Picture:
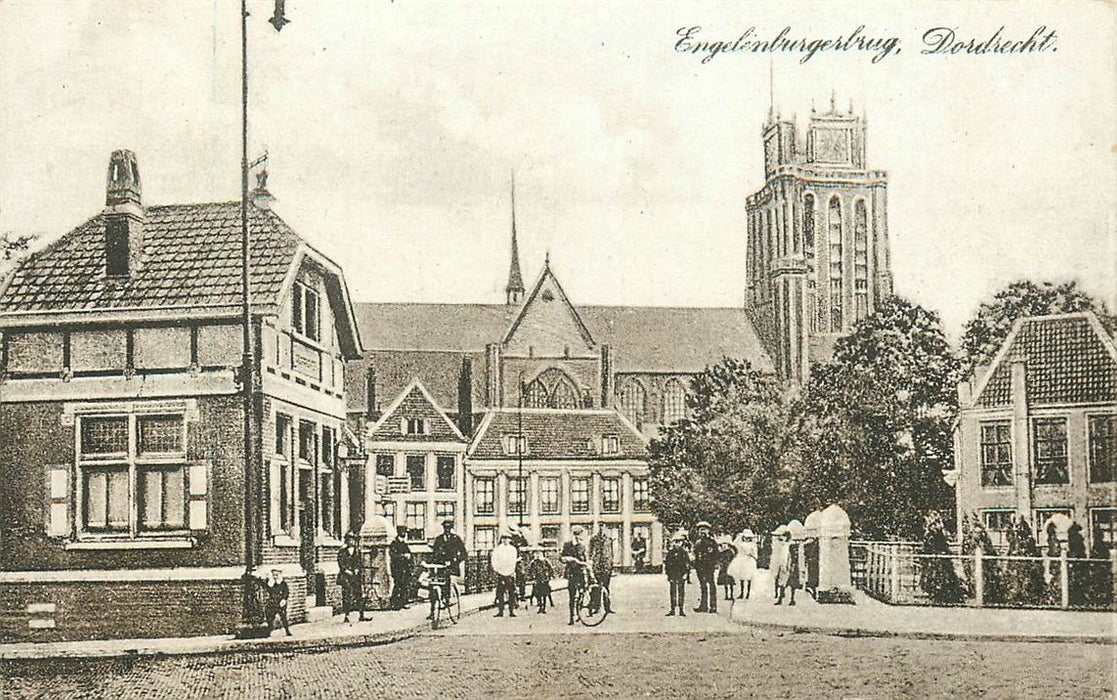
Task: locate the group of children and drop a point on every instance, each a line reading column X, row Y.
column 514, row 571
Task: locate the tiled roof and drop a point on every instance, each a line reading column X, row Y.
column 555, row 434
column 1068, row 359
column 644, row 338
column 415, row 404
column 438, row 371
column 190, row 258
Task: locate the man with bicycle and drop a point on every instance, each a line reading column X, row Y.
column 574, row 556
column 447, row 550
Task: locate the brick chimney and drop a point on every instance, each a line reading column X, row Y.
column 123, row 216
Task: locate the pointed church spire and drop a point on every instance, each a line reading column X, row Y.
column 514, row 292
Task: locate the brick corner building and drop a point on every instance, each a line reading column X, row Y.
column 122, row 448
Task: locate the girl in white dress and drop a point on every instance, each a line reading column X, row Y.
column 743, row 566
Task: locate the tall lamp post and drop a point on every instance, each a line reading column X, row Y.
column 520, row 455
column 253, row 623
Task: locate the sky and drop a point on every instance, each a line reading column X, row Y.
column 392, row 130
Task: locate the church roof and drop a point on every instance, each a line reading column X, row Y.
column 679, row 340
column 1068, row 359
column 558, row 434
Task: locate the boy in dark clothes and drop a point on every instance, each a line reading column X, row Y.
column 677, row 567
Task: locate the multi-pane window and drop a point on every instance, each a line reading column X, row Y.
column 1049, row 447
column 445, row 472
column 580, row 495
column 444, row 510
column 417, row 472
column 997, row 524
column 1103, row 524
column 549, row 499
column 415, row 520
column 1103, row 448
column 415, row 426
column 307, row 437
column 326, row 502
column 388, row 510
column 328, row 447
column 304, row 311
column 484, row 538
column 996, row 455
column 611, row 495
column 549, row 535
column 674, row 402
column 282, row 434
column 385, row 465
column 515, row 444
column 517, row 495
column 640, row 501
column 133, row 473
column 610, row 445
column 484, row 495
column 634, row 401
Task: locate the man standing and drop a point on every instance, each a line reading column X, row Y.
column 601, row 556
column 574, row 556
column 399, row 562
column 676, row 564
column 278, row 593
column 639, row 553
column 448, row 550
column 349, row 577
column 706, row 564
column 503, row 559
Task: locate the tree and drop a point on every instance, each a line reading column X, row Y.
column 986, row 331
column 733, row 461
column 878, row 422
column 12, row 245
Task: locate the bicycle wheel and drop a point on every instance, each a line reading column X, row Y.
column 436, row 597
column 593, row 605
column 454, row 604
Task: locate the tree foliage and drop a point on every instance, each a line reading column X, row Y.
column 12, row 245
column 733, row 461
column 878, row 422
column 986, row 331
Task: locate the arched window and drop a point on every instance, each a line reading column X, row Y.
column 634, row 401
column 674, row 401
column 860, row 259
column 834, row 239
column 553, row 388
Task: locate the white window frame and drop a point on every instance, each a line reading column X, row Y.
column 194, row 475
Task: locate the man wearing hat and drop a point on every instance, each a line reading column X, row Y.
column 676, row 564
column 574, row 556
column 349, row 577
column 448, row 550
column 503, row 560
column 706, row 564
column 399, row 560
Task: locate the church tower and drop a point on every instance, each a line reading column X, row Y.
column 818, row 256
column 514, row 291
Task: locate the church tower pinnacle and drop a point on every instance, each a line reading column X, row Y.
column 514, row 292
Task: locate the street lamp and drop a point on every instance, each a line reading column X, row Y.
column 520, row 443
column 253, row 622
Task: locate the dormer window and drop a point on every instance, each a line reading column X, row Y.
column 304, row 311
column 415, row 426
column 515, row 444
column 610, row 445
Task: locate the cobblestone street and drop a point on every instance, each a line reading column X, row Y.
column 634, row 653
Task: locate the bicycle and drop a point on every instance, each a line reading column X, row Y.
column 592, row 601
column 445, row 597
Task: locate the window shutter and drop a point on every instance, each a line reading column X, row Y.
column 199, row 492
column 275, row 499
column 58, row 500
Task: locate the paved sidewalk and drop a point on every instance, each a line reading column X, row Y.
column 870, row 617
column 384, row 627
